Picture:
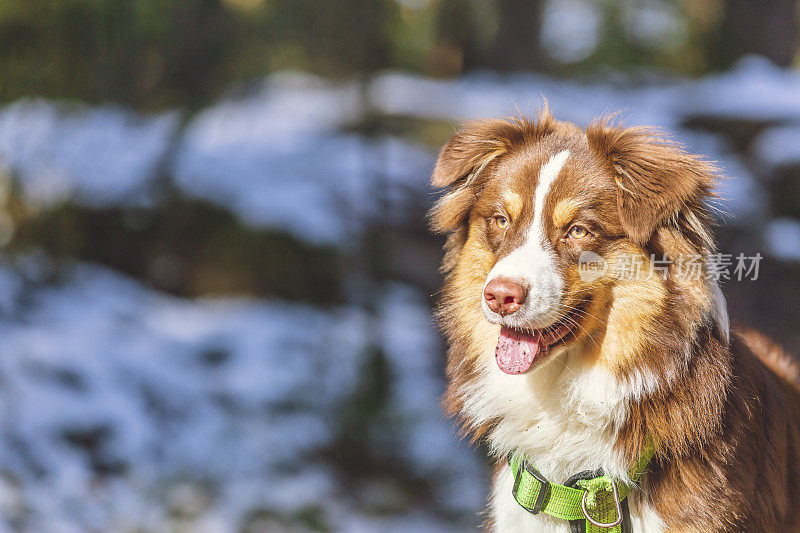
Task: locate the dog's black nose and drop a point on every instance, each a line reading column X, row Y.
column 504, row 296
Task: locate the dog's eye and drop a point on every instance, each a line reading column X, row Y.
column 578, row 232
column 501, row 221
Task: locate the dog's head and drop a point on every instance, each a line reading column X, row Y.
column 549, row 224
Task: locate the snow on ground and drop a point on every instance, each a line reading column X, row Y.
column 783, row 238
column 500, row 95
column 277, row 158
column 280, row 155
column 779, row 146
column 187, row 401
column 97, row 155
column 755, row 89
column 318, row 187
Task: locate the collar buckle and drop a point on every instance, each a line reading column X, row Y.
column 617, row 503
column 525, row 466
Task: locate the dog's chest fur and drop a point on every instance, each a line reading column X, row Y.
column 564, row 417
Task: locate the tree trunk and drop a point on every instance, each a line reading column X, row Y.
column 765, row 27
column 517, row 45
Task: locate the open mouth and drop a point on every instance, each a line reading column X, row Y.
column 517, row 350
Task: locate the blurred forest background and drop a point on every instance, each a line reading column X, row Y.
column 216, row 278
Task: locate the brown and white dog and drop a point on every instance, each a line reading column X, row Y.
column 578, row 371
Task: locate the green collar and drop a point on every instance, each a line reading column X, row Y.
column 590, row 499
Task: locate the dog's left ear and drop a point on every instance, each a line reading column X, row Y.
column 656, row 178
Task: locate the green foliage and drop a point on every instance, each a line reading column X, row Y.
column 160, row 53
column 140, row 52
column 336, row 37
column 155, row 53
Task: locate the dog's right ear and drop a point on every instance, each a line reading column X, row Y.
column 461, row 169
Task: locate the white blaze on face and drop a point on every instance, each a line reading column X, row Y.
column 533, row 262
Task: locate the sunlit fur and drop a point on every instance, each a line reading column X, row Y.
column 648, row 357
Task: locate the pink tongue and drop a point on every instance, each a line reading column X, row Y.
column 515, row 350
